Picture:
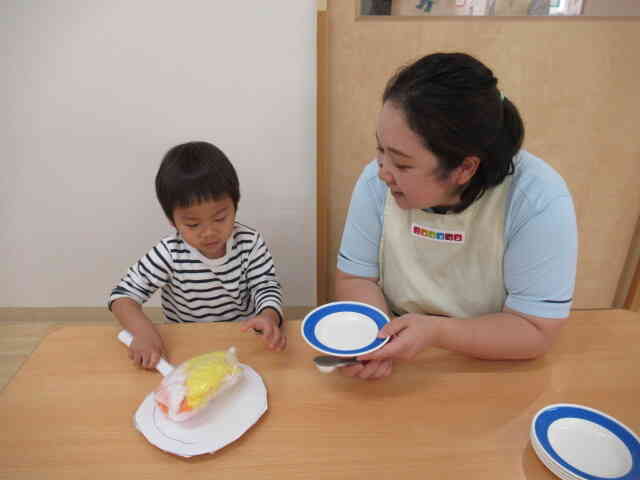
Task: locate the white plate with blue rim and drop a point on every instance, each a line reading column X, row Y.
column 344, row 329
column 578, row 442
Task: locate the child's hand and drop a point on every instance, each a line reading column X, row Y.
column 267, row 324
column 146, row 349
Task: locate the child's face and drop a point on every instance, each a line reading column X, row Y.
column 207, row 225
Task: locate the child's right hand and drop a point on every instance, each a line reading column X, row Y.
column 146, row 349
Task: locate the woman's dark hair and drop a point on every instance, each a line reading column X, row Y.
column 194, row 172
column 452, row 102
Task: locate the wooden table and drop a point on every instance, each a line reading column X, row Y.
column 68, row 412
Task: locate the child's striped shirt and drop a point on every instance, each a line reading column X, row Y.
column 197, row 289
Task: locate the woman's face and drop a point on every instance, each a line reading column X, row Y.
column 408, row 168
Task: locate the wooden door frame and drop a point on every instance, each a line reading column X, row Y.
column 322, row 148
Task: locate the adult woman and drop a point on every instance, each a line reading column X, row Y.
column 467, row 240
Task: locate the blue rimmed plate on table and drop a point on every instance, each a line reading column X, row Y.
column 578, row 442
column 344, row 329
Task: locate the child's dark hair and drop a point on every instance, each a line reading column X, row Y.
column 194, row 172
column 451, row 101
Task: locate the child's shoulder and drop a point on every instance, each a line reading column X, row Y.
column 247, row 238
column 243, row 234
column 172, row 246
column 172, row 240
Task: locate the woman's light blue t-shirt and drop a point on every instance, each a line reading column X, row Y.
column 541, row 243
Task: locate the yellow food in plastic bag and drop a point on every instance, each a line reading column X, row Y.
column 205, row 373
column 196, row 382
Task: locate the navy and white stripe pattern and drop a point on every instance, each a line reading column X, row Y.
column 240, row 286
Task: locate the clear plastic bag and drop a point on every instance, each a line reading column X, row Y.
column 189, row 388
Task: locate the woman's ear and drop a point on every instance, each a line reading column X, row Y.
column 467, row 169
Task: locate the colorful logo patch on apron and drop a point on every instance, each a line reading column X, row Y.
column 437, row 235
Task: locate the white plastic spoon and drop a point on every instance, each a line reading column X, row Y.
column 164, row 367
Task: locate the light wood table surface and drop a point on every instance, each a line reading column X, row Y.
column 67, row 414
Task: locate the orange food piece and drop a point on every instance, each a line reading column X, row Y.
column 183, row 407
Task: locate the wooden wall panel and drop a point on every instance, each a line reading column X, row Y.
column 322, row 142
column 574, row 81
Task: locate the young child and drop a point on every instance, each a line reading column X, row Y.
column 212, row 270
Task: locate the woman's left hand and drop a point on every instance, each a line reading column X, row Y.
column 411, row 333
column 373, row 370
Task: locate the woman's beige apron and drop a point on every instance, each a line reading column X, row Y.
column 445, row 264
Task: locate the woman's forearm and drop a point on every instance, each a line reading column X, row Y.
column 359, row 289
column 498, row 336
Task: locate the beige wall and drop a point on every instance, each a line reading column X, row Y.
column 95, row 92
column 574, row 80
column 611, row 7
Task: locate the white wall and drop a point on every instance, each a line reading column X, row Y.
column 99, row 90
